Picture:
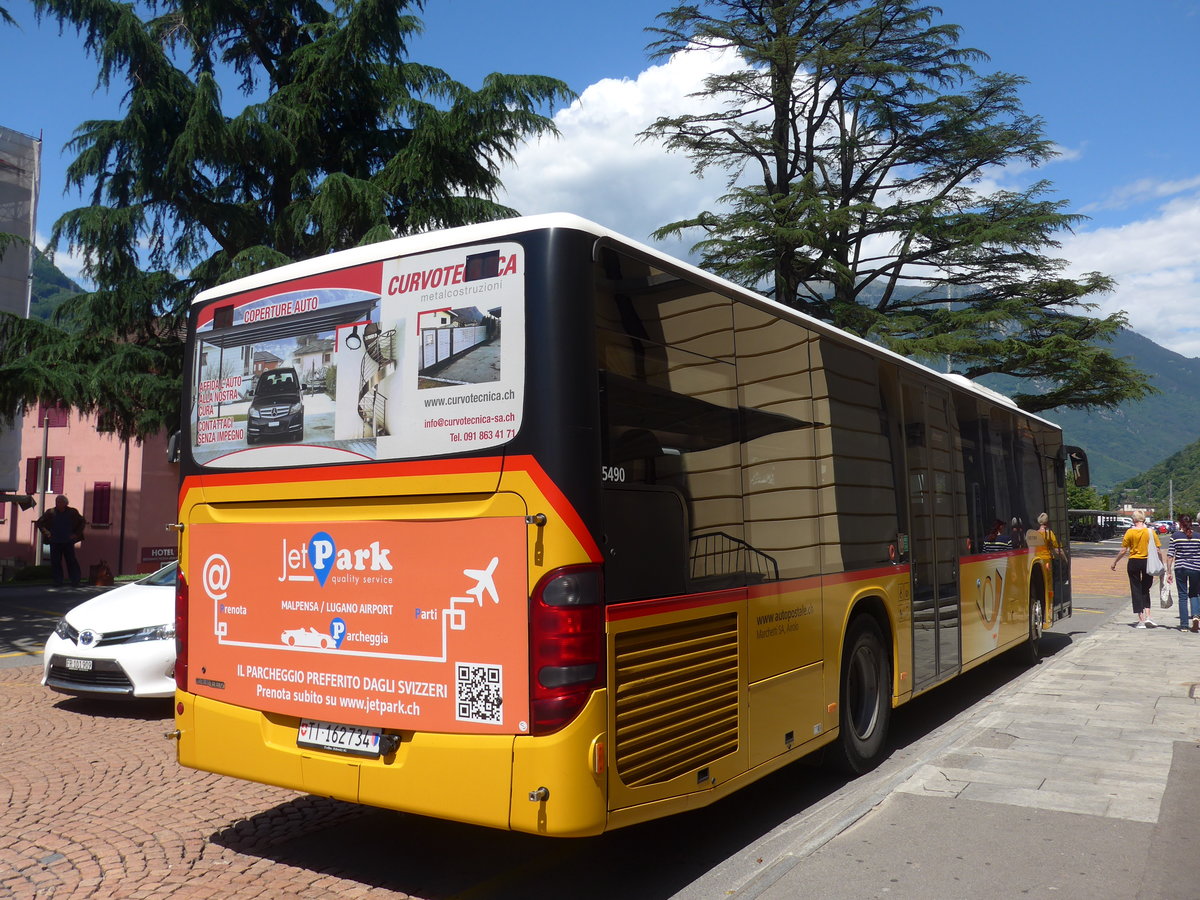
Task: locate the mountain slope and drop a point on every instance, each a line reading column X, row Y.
column 1171, row 487
column 50, row 289
column 1124, row 442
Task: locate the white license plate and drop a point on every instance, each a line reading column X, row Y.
column 331, row 736
column 79, row 665
column 272, row 424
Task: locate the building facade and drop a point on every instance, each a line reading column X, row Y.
column 126, row 491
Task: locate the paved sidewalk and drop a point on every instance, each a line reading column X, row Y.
column 1075, row 780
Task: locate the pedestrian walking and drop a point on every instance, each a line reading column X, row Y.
column 1138, row 543
column 1184, row 554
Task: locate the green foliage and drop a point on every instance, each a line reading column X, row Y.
column 854, row 140
column 1085, row 497
column 345, row 142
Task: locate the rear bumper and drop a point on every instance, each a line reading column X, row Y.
column 477, row 779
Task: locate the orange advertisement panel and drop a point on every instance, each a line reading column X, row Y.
column 407, row 625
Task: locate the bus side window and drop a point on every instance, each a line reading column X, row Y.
column 646, row 552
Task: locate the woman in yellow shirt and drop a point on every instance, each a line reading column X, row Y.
column 1137, row 544
column 1046, row 548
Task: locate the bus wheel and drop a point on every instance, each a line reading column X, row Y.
column 866, row 697
column 1032, row 650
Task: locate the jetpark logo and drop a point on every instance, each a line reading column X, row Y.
column 319, row 557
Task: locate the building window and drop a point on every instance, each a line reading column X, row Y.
column 102, row 503
column 55, row 416
column 55, row 466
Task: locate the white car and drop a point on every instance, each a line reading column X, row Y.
column 118, row 644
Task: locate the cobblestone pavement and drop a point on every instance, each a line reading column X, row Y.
column 93, row 804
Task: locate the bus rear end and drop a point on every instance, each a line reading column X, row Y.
column 384, row 599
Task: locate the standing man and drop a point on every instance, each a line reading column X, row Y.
column 62, row 527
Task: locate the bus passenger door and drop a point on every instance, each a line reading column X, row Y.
column 1054, row 468
column 933, row 549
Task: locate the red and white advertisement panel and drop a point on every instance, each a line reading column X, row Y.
column 408, row 625
column 414, row 356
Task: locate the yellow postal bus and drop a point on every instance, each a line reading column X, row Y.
column 558, row 534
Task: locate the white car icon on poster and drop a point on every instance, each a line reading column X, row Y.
column 306, row 637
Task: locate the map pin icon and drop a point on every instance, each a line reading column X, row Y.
column 321, row 551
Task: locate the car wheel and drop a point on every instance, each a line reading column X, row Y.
column 291, row 641
column 865, row 698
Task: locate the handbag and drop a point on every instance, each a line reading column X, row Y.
column 1154, row 563
column 1166, row 594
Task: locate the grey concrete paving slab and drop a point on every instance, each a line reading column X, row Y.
column 921, row 848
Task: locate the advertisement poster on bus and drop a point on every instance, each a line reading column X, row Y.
column 308, row 619
column 414, row 356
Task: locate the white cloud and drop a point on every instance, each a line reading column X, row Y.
column 1142, row 191
column 1156, row 262
column 600, row 169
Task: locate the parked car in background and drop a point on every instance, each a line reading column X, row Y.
column 1165, row 526
column 118, row 644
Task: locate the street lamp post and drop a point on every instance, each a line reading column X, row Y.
column 42, row 467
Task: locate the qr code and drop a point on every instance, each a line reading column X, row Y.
column 479, row 691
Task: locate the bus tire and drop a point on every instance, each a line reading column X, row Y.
column 865, row 698
column 1031, row 650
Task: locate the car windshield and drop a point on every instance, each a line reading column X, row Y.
column 277, row 383
column 164, row 577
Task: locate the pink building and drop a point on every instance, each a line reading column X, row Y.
column 127, row 492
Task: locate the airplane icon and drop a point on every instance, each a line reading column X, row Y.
column 484, row 581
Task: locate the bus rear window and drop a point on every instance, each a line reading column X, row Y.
column 402, row 358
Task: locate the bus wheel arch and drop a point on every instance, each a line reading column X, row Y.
column 865, row 692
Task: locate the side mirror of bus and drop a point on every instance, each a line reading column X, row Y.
column 1079, row 466
column 173, row 447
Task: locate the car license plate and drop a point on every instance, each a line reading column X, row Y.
column 79, row 665
column 272, row 424
column 345, row 738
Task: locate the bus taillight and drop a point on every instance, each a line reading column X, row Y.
column 181, row 630
column 566, row 645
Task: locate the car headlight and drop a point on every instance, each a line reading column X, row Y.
column 153, row 633
column 296, row 408
column 255, row 411
column 65, row 631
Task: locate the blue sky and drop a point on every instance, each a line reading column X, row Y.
column 1115, row 82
